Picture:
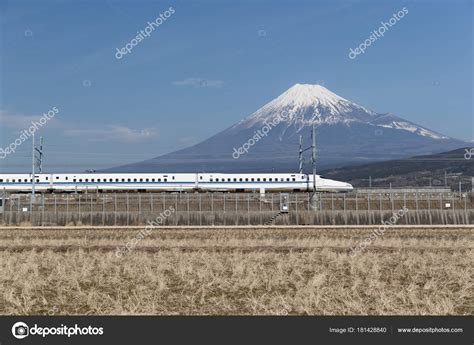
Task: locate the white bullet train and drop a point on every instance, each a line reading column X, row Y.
column 229, row 182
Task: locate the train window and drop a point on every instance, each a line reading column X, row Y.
column 111, row 180
column 288, row 179
column 141, row 180
column 217, row 180
column 246, row 179
column 235, row 179
column 134, row 180
column 240, row 179
column 147, row 180
column 116, row 180
column 92, row 180
column 74, row 180
column 57, row 177
column 252, row 179
column 129, row 179
column 152, row 180
column 159, row 180
column 87, row 180
column 210, row 180
column 165, row 179
column 258, row 179
column 123, row 180
column 13, row 180
column 26, row 180
column 98, row 180
column 270, row 179
column 46, row 178
column 1, row 180
column 80, row 180
column 264, row 179
column 294, row 179
column 66, row 178
column 37, row 180
column 173, row 177
column 228, row 179
column 200, row 177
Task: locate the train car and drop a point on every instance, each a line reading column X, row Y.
column 171, row 182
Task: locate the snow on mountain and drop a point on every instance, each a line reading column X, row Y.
column 305, row 104
column 395, row 122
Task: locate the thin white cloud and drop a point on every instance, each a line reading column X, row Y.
column 198, row 82
column 116, row 133
column 17, row 121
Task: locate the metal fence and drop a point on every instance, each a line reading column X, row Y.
column 233, row 209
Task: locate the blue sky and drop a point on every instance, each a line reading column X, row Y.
column 212, row 63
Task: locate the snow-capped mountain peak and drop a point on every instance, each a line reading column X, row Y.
column 306, row 104
column 304, row 95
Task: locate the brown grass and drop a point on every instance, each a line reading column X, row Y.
column 237, row 271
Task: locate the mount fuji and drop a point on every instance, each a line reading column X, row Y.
column 347, row 133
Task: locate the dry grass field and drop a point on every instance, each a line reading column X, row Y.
column 237, row 271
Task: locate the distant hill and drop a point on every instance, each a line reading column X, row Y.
column 414, row 171
column 347, row 133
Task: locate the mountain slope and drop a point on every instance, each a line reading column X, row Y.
column 346, row 133
column 413, row 171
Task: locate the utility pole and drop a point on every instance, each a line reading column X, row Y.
column 33, row 156
column 313, row 156
column 301, row 151
column 39, row 157
column 314, row 199
column 36, row 160
column 300, row 156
